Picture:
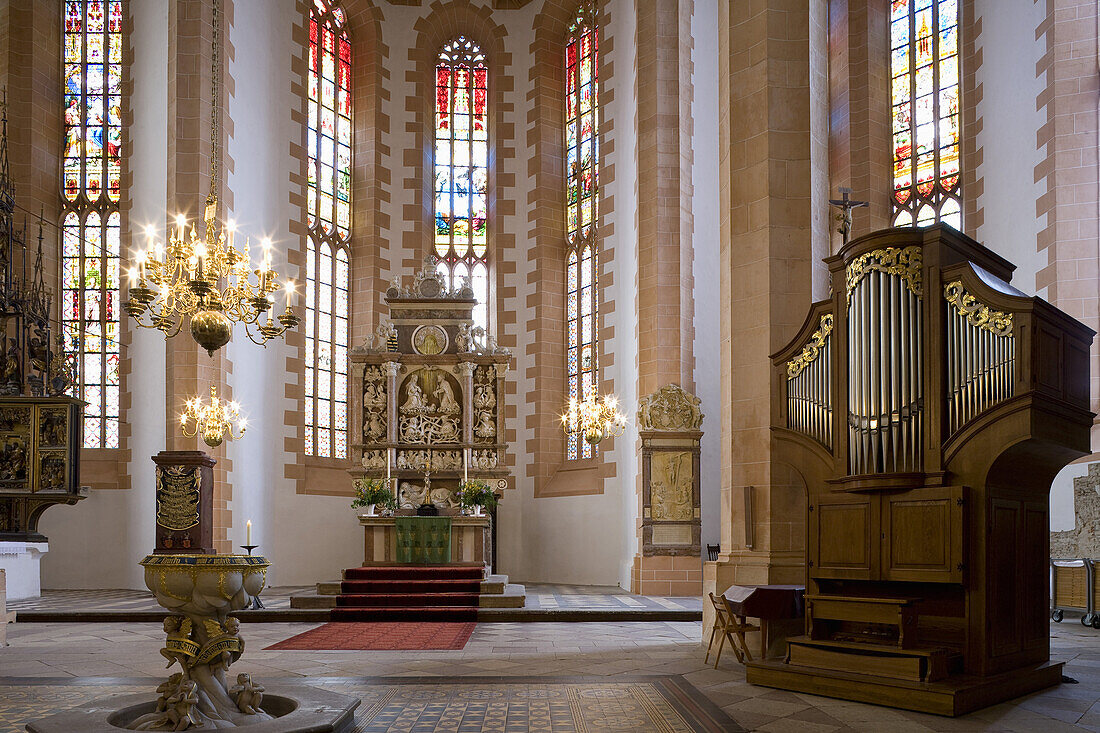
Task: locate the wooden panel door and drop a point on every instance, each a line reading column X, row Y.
column 922, row 535
column 843, row 528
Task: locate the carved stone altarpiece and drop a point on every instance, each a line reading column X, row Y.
column 426, row 386
column 668, row 424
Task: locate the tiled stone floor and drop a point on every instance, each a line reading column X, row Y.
column 539, row 596
column 68, row 656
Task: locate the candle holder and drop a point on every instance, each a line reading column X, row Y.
column 255, row 602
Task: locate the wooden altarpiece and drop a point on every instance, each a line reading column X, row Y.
column 428, row 396
column 927, row 406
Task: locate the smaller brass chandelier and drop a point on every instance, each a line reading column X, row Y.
column 594, row 419
column 214, row 421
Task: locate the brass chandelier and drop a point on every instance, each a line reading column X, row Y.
column 594, row 419
column 203, row 277
column 213, row 421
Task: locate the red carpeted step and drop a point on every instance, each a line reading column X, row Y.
column 415, row 572
column 410, row 586
column 408, row 600
column 434, row 613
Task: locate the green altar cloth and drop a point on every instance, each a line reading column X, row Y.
column 424, row 540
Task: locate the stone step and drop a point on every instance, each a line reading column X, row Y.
column 514, row 596
column 313, row 600
column 494, row 584
column 329, row 588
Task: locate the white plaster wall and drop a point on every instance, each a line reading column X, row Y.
column 708, row 387
column 308, row 538
column 1010, row 155
column 116, row 527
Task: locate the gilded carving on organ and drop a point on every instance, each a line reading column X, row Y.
column 671, row 481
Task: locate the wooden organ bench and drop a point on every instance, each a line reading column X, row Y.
column 927, row 406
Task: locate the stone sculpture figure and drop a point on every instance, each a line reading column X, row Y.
column 181, row 706
column 248, row 694
column 166, row 689
column 447, row 403
column 414, row 398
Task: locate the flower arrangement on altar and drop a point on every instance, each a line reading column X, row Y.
column 372, row 493
column 475, row 494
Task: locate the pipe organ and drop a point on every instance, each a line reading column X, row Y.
column 926, row 406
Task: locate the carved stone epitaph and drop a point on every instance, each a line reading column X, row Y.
column 668, row 424
column 184, row 503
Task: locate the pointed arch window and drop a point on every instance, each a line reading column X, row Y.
column 328, row 214
column 462, row 169
column 581, row 195
column 924, row 62
column 91, row 180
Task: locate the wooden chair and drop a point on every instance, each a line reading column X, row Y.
column 731, row 628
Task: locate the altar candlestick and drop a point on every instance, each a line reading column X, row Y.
column 465, row 465
column 248, row 532
column 387, row 465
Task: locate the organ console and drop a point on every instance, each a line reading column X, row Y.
column 926, row 406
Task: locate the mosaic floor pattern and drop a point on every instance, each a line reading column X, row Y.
column 651, row 704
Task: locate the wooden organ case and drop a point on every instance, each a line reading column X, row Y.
column 927, row 405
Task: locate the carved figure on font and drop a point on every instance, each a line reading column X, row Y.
column 247, row 694
column 181, row 706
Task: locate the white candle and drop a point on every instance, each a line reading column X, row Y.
column 387, row 465
column 465, row 464
column 248, row 532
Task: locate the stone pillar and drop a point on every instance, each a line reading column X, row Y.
column 766, row 255
column 189, row 370
column 465, row 370
column 665, row 299
column 859, row 125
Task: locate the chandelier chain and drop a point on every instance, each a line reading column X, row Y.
column 215, row 102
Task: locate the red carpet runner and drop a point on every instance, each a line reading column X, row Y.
column 380, row 636
column 409, row 593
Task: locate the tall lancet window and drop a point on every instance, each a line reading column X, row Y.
column 328, row 202
column 924, row 41
column 90, row 186
column 582, row 156
column 462, row 169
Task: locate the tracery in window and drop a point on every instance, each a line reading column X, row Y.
column 328, row 208
column 462, row 170
column 90, row 186
column 582, row 184
column 924, row 41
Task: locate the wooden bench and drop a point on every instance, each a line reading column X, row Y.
column 827, row 612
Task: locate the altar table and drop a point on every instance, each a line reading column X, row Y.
column 470, row 543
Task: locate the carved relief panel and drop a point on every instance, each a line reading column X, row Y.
column 40, row 439
column 668, row 423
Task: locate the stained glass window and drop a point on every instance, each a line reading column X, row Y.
column 328, row 212
column 924, row 62
column 462, row 170
column 581, row 189
column 90, row 186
